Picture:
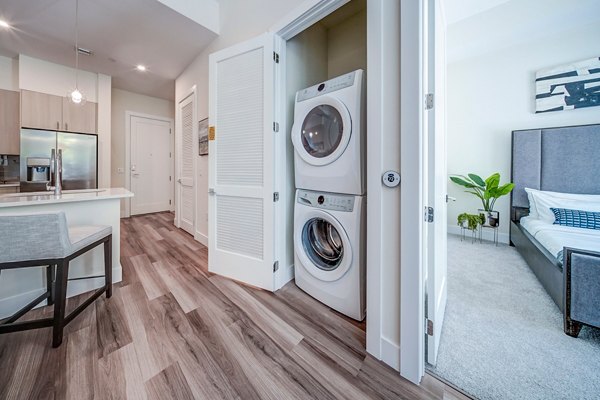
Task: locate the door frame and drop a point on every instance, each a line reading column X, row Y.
column 128, row 115
column 191, row 92
column 383, row 93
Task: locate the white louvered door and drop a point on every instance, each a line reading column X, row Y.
column 186, row 152
column 241, row 159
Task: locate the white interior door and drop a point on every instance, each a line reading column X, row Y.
column 187, row 147
column 150, row 169
column 436, row 175
column 241, row 159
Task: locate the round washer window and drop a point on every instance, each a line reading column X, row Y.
column 322, row 131
column 323, row 244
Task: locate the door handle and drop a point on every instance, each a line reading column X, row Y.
column 211, row 191
column 448, row 198
column 179, row 180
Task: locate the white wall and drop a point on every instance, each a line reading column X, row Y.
column 239, row 20
column 9, row 73
column 46, row 77
column 123, row 101
column 492, row 94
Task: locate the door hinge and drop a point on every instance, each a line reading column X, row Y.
column 169, row 154
column 275, row 196
column 429, row 101
column 275, row 266
column 429, row 326
column 428, row 214
column 169, row 202
column 170, row 131
column 276, row 57
column 169, row 179
column 275, row 127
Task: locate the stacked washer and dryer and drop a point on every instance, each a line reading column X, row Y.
column 328, row 135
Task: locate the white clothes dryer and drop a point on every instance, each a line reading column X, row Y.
column 329, row 247
column 328, row 135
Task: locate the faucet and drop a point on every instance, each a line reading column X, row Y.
column 56, row 172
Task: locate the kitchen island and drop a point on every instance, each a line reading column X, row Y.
column 82, row 207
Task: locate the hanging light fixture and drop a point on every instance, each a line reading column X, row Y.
column 76, row 96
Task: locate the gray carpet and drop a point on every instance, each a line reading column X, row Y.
column 502, row 336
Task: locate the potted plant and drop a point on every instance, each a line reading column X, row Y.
column 470, row 221
column 488, row 191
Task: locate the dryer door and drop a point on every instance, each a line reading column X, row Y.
column 322, row 246
column 321, row 134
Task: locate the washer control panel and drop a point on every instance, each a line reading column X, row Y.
column 329, row 86
column 326, row 201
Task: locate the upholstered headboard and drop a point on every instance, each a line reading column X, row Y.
column 563, row 159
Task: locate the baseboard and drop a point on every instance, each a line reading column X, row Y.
column 390, row 353
column 487, row 234
column 202, row 238
column 11, row 304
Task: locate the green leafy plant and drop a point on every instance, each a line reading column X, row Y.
column 488, row 191
column 472, row 220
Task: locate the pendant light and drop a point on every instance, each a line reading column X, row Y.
column 76, row 96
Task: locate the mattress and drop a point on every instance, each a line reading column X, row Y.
column 555, row 237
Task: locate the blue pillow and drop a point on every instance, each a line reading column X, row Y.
column 576, row 218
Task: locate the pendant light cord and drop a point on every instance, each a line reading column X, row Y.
column 77, row 44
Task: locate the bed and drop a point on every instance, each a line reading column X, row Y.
column 566, row 260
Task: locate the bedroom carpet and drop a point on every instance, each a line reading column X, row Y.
column 502, row 336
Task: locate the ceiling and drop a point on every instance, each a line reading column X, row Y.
column 121, row 34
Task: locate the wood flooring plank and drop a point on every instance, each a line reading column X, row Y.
column 278, row 330
column 151, row 281
column 169, row 384
column 111, row 326
column 82, row 357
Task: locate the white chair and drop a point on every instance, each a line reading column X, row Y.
column 46, row 240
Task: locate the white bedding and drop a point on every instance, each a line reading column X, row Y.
column 555, row 237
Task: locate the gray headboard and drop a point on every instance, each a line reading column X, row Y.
column 563, row 159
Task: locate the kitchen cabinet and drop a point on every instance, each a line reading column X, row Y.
column 46, row 111
column 41, row 110
column 8, row 189
column 79, row 118
column 9, row 122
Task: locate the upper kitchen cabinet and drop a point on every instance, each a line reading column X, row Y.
column 41, row 111
column 45, row 111
column 79, row 118
column 9, row 122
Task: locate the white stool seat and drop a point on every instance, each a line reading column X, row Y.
column 84, row 235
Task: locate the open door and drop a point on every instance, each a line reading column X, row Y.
column 241, row 160
column 436, row 175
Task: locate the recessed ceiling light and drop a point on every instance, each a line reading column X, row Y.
column 141, row 67
column 4, row 24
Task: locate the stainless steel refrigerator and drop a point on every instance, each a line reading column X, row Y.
column 79, row 159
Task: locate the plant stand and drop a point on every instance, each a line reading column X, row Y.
column 493, row 228
column 463, row 234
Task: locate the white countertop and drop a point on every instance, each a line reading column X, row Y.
column 10, row 185
column 68, row 196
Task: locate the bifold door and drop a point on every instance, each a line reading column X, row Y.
column 185, row 210
column 241, row 160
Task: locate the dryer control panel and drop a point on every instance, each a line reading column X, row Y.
column 326, row 201
column 329, row 86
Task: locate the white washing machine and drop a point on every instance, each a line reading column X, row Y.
column 328, row 135
column 329, row 247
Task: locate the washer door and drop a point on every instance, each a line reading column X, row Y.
column 322, row 246
column 321, row 135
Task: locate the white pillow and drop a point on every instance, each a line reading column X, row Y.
column 540, row 203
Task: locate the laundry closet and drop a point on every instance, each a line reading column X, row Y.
column 325, row 81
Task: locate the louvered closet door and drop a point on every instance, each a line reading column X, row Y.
column 185, row 181
column 241, row 161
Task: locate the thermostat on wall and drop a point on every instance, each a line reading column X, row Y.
column 391, row 179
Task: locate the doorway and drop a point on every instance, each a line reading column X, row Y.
column 185, row 143
column 150, row 163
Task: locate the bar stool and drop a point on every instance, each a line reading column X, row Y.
column 46, row 240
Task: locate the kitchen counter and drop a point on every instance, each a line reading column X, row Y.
column 68, row 196
column 9, row 185
column 82, row 207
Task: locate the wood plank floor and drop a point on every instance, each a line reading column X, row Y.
column 172, row 330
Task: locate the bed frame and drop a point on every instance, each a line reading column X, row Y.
column 567, row 160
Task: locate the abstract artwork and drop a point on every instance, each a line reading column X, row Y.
column 203, row 137
column 568, row 87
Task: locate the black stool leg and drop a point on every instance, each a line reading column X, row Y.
column 62, row 273
column 108, row 266
column 50, row 283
